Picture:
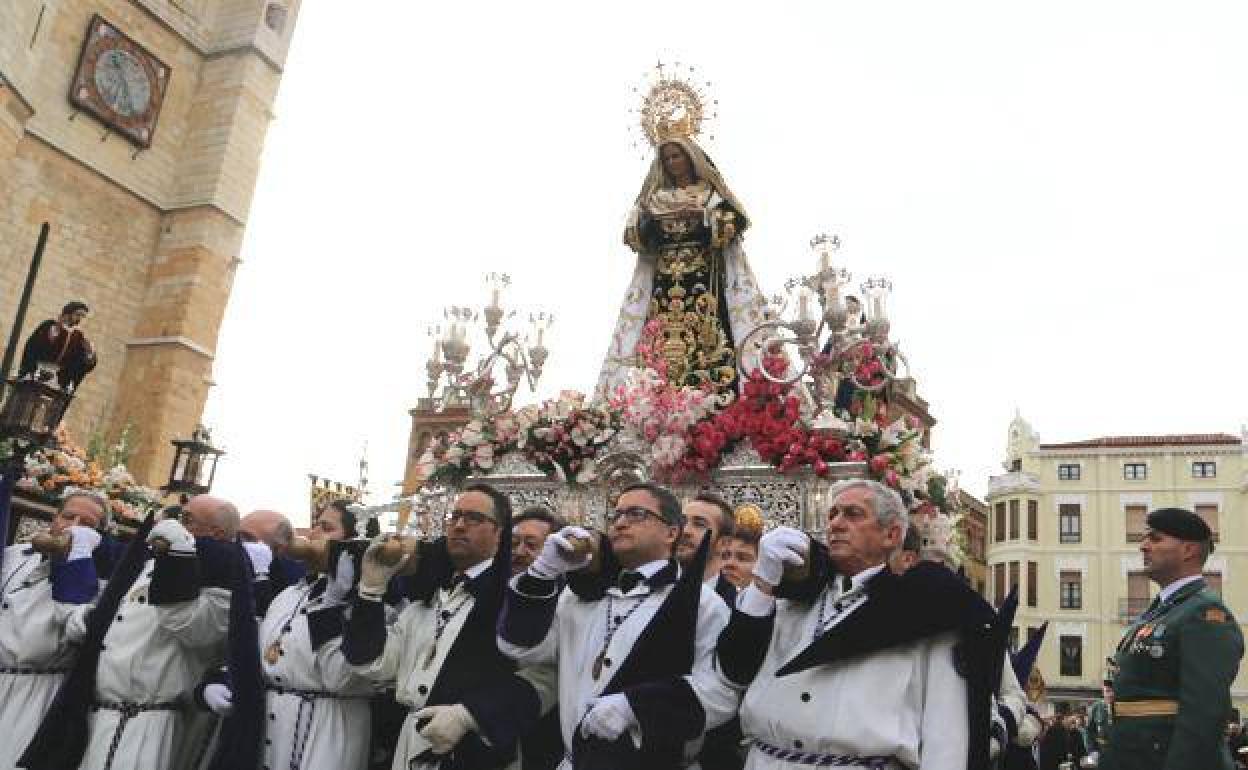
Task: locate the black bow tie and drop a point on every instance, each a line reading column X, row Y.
column 628, row 580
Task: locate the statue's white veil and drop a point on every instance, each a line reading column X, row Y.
column 746, row 306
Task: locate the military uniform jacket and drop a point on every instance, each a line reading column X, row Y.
column 1099, row 720
column 1187, row 649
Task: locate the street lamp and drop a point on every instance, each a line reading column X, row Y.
column 32, row 411
column 28, row 420
column 194, row 464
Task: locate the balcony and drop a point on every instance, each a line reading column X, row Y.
column 1130, row 609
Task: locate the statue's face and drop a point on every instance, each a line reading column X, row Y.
column 675, row 162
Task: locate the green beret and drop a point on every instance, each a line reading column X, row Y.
column 1180, row 523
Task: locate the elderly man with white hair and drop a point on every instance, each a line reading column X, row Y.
column 38, row 594
column 169, row 628
column 848, row 664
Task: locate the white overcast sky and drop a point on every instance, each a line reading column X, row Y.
column 1057, row 190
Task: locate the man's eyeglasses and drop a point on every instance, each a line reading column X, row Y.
column 467, row 518
column 632, row 515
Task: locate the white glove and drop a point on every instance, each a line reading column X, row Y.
column 219, row 699
column 781, row 546
column 447, row 726
column 82, row 542
column 375, row 576
column 261, row 558
column 173, row 533
column 340, row 582
column 609, row 717
column 559, row 556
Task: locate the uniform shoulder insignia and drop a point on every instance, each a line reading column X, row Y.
column 1214, row 615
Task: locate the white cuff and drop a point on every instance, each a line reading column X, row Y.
column 755, row 603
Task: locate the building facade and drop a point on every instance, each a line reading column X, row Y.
column 134, row 129
column 973, row 529
column 1064, row 526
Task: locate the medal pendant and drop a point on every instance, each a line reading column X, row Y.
column 272, row 653
column 597, row 669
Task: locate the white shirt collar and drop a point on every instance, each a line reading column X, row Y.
column 861, row 578
column 650, row 568
column 1170, row 590
column 472, row 572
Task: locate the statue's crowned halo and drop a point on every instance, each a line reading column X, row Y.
column 692, row 283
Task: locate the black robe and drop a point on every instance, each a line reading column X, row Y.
column 52, row 342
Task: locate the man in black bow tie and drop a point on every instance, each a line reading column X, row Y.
column 848, row 664
column 467, row 704
column 632, row 637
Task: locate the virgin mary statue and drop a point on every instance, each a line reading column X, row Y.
column 692, row 277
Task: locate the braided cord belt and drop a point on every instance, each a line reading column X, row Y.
column 128, row 711
column 826, row 760
column 307, row 704
column 26, row 671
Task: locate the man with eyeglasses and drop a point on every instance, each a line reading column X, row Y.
column 632, row 637
column 850, row 664
column 467, row 703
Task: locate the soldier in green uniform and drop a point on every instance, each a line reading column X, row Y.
column 1175, row 664
column 1100, row 717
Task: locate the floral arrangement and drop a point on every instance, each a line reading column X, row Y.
column 661, row 413
column 64, row 468
column 689, row 429
column 562, row 436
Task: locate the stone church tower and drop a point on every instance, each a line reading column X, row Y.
column 134, row 128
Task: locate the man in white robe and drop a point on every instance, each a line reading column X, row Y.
column 316, row 709
column 850, row 665
column 633, row 641
column 37, row 596
column 169, row 629
column 467, row 704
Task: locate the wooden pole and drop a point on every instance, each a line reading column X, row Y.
column 10, row 350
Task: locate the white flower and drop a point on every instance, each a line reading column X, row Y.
column 453, row 455
column 891, row 436
column 472, row 434
column 118, row 476
column 484, row 457
column 587, row 473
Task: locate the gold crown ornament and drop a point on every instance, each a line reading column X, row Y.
column 674, row 104
column 749, row 519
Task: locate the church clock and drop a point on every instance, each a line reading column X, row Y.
column 119, row 82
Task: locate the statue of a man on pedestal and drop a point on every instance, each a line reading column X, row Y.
column 60, row 342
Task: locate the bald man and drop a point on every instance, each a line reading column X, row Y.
column 268, row 527
column 174, row 621
column 267, row 536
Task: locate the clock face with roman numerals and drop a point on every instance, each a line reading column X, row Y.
column 119, row 82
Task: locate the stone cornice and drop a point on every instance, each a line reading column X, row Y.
column 180, row 341
column 7, row 83
column 1090, row 454
column 163, row 208
column 204, row 50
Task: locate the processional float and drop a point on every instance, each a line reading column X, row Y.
column 821, row 391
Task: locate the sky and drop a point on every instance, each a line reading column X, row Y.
column 1057, row 192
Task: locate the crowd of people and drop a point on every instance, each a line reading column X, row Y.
column 670, row 639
